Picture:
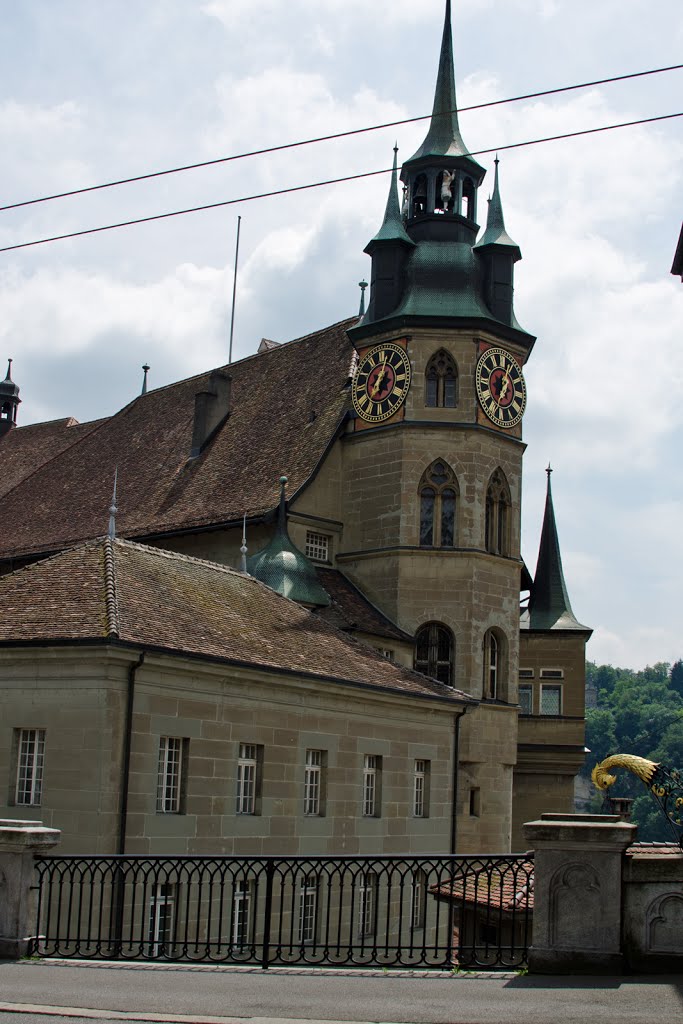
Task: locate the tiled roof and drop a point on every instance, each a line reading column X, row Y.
column 350, row 609
column 127, row 592
column 656, row 850
column 25, row 449
column 504, row 887
column 286, row 405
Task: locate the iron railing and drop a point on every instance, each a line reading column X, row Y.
column 389, row 911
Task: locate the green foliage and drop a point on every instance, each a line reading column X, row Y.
column 637, row 713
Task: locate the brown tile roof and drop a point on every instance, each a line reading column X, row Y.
column 655, row 850
column 145, row 596
column 287, row 404
column 350, row 609
column 25, row 449
column 505, row 886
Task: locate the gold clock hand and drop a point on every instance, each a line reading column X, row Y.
column 378, row 380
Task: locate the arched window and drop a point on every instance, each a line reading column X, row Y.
column 498, row 506
column 494, row 661
column 441, row 381
column 435, row 652
column 468, row 199
column 420, row 195
column 438, row 506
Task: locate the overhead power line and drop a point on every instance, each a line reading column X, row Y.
column 328, row 138
column 320, row 184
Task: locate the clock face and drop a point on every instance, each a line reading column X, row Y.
column 500, row 387
column 381, row 383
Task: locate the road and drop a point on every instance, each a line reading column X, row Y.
column 48, row 992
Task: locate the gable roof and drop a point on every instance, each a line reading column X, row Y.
column 286, row 406
column 117, row 591
column 350, row 608
column 23, row 450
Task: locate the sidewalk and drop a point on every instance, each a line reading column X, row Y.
column 188, row 994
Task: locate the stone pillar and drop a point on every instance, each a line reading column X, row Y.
column 19, row 841
column 578, row 892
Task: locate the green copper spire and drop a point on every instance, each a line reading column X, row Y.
column 495, row 233
column 285, row 569
column 549, row 606
column 392, row 225
column 443, row 137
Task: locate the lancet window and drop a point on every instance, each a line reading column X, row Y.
column 498, row 514
column 494, row 681
column 441, row 381
column 435, row 652
column 438, row 506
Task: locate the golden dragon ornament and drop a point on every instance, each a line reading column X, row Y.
column 665, row 784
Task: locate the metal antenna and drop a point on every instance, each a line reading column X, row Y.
column 243, row 549
column 234, row 288
column 113, row 509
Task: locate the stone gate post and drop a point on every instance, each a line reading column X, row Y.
column 578, row 892
column 19, row 841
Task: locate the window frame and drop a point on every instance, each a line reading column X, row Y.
column 556, row 687
column 163, row 909
column 249, row 779
column 495, row 668
column 29, row 767
column 441, row 369
column 372, row 785
column 367, row 904
column 438, row 486
column 498, row 515
column 242, row 923
column 315, row 782
column 526, row 688
column 318, row 546
column 309, row 886
column 172, row 775
column 421, row 786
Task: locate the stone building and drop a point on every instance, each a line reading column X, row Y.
column 404, row 467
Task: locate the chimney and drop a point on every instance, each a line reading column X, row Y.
column 211, row 410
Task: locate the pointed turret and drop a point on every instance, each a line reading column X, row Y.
column 9, row 401
column 389, row 251
column 498, row 253
column 285, row 569
column 549, row 606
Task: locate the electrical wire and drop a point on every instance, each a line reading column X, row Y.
column 320, row 184
column 327, row 138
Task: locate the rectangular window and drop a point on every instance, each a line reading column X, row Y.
column 317, row 546
column 161, row 914
column 552, row 673
column 366, row 903
column 314, row 781
column 421, row 788
column 418, row 903
column 551, row 700
column 526, row 700
column 308, row 908
column 372, row 786
column 526, row 673
column 475, row 802
column 241, row 914
column 387, row 653
column 30, row 764
column 171, row 775
column 249, row 765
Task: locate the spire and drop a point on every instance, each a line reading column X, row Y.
column 113, row 509
column 9, row 401
column 392, row 226
column 443, row 137
column 285, row 569
column 495, row 233
column 549, row 606
column 145, row 370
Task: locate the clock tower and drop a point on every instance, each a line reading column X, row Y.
column 433, row 459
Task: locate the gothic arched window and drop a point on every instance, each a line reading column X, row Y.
column 438, row 506
column 441, row 381
column 420, row 195
column 494, row 665
column 498, row 509
column 435, row 652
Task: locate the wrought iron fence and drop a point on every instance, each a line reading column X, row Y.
column 389, row 911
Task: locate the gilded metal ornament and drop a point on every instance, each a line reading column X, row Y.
column 665, row 784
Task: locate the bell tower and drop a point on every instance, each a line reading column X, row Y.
column 9, row 401
column 433, row 456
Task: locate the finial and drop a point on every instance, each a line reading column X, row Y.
column 9, row 370
column 548, row 470
column 362, row 285
column 243, row 549
column 282, row 514
column 113, row 509
column 146, row 370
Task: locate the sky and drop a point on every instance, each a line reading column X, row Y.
column 94, row 92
